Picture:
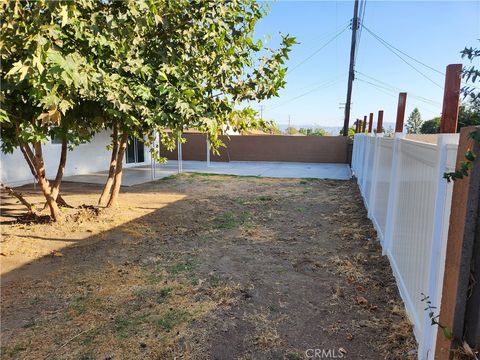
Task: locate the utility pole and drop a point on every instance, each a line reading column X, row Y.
column 351, row 71
column 261, row 111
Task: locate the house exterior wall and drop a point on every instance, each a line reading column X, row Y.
column 83, row 159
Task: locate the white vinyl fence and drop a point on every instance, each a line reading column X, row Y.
column 408, row 201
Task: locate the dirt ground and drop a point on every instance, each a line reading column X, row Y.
column 202, row 267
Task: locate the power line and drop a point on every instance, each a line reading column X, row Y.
column 432, row 105
column 384, row 43
column 363, row 5
column 330, row 33
column 318, row 50
column 424, row 99
column 322, row 86
column 402, row 52
column 394, row 95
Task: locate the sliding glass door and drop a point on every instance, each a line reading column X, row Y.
column 135, row 151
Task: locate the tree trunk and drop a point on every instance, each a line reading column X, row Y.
column 43, row 182
column 117, row 181
column 30, row 159
column 113, row 164
column 55, row 189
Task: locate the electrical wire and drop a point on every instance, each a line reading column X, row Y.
column 363, row 5
column 378, row 37
column 397, row 89
column 318, row 50
column 386, row 91
column 324, row 85
column 384, row 43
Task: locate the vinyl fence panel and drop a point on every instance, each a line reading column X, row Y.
column 409, row 202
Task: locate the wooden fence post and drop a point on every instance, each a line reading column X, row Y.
column 364, row 125
column 441, row 217
column 460, row 302
column 451, row 99
column 370, row 123
column 380, row 122
column 402, row 102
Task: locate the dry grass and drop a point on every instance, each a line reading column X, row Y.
column 231, row 260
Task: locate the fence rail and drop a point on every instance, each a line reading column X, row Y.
column 408, row 201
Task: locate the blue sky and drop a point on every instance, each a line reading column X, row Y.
column 431, row 31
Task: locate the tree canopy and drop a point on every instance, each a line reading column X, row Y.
column 71, row 69
column 414, row 122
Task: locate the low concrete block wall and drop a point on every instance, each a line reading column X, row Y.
column 315, row 149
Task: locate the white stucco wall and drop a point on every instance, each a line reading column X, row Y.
column 83, row 159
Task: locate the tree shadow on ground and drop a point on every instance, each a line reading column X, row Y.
column 258, row 268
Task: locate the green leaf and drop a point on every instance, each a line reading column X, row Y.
column 162, row 76
column 64, row 15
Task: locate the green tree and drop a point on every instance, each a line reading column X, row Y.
column 313, row 132
column 44, row 81
column 469, row 113
column 414, row 122
column 430, row 126
column 199, row 68
column 271, row 127
column 145, row 66
column 291, row 130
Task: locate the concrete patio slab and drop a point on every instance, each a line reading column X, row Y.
column 142, row 174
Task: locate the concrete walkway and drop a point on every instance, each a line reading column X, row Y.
column 143, row 174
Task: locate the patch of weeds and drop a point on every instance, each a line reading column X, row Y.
column 229, row 220
column 35, row 300
column 273, row 308
column 153, row 274
column 196, row 174
column 307, row 180
column 194, row 281
column 123, row 325
column 265, row 198
column 181, row 267
column 14, row 351
column 294, row 356
column 171, row 319
column 170, row 177
column 202, row 174
column 242, row 201
column 29, row 324
column 300, row 209
column 141, row 293
column 87, row 356
column 89, row 338
column 79, row 305
column 214, row 281
column 163, row 294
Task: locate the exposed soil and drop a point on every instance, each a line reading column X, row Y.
column 202, row 267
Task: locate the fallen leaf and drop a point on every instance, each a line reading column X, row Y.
column 361, row 300
column 360, row 288
column 56, row 253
